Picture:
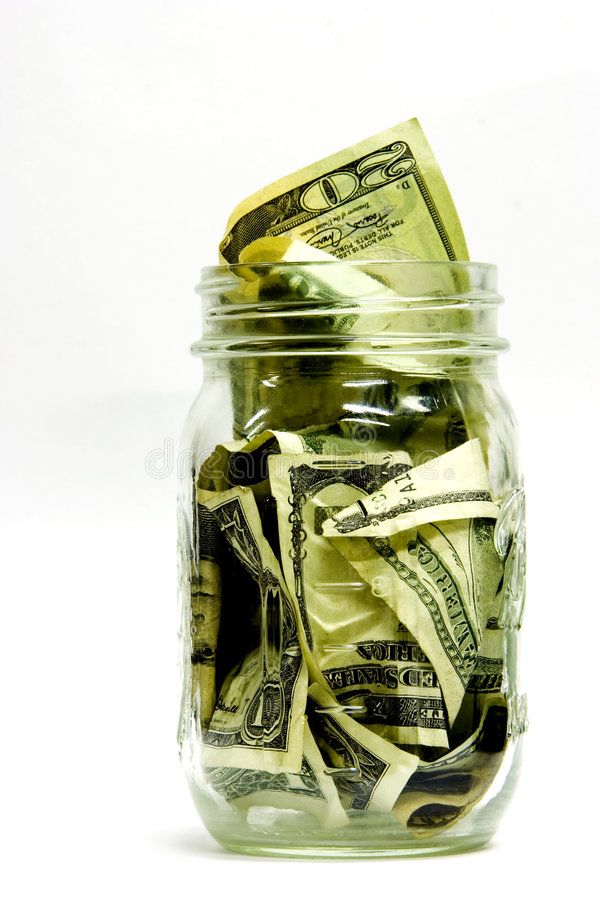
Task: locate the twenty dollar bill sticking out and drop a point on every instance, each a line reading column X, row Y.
column 387, row 191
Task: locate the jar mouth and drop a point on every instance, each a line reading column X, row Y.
column 383, row 307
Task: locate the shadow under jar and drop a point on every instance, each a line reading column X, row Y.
column 352, row 559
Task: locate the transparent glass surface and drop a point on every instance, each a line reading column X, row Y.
column 350, row 694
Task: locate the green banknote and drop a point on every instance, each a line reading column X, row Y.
column 441, row 792
column 371, row 772
column 205, row 599
column 311, row 789
column 243, row 463
column 386, row 192
column 454, row 485
column 426, row 576
column 360, row 648
column 488, row 681
column 258, row 720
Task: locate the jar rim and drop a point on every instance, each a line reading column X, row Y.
column 239, row 269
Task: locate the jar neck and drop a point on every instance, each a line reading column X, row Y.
column 418, row 315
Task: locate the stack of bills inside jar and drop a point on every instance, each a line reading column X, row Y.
column 345, row 590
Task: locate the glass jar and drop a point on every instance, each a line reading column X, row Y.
column 351, row 537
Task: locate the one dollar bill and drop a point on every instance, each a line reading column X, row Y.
column 454, row 485
column 360, row 648
column 258, row 720
column 426, row 576
column 371, row 772
column 309, row 790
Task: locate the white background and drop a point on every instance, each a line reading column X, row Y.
column 129, row 131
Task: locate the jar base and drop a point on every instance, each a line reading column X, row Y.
column 429, row 848
column 440, row 849
column 443, row 845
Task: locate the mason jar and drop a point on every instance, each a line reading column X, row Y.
column 352, row 559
